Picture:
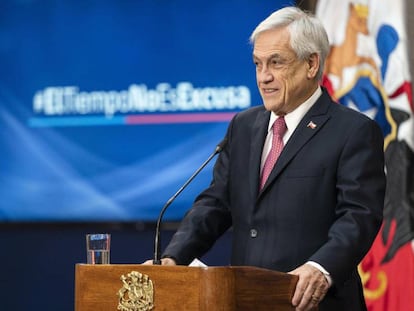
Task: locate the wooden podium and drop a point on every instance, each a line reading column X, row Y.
column 176, row 288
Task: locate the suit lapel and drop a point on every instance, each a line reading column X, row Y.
column 308, row 127
column 259, row 133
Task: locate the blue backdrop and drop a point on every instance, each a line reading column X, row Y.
column 107, row 107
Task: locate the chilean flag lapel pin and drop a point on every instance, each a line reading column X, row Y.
column 311, row 125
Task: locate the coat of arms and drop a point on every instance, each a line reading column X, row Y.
column 136, row 293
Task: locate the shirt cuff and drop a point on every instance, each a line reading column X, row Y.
column 322, row 269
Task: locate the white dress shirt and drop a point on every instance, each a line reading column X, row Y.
column 292, row 120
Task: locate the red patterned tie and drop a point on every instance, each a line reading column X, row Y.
column 279, row 129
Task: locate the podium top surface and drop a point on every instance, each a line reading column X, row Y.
column 99, row 287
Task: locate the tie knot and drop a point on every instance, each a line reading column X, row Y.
column 279, row 127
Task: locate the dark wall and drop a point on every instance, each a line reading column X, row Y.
column 38, row 260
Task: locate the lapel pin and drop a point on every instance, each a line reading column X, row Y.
column 311, row 125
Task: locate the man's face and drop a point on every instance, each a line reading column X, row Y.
column 284, row 82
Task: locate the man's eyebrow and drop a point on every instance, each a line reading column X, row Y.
column 275, row 55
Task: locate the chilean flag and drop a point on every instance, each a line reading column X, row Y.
column 368, row 69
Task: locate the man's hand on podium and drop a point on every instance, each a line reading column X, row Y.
column 164, row 262
column 310, row 289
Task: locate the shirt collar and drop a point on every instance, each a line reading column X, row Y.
column 293, row 118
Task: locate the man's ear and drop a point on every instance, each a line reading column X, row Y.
column 313, row 65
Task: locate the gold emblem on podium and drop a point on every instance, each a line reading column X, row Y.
column 137, row 293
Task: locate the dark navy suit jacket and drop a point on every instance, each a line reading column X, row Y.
column 322, row 202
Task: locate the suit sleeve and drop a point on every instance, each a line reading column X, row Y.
column 360, row 200
column 208, row 218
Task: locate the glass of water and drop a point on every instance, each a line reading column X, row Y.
column 98, row 248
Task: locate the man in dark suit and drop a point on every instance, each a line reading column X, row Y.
column 317, row 210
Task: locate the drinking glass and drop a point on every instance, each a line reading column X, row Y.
column 98, row 248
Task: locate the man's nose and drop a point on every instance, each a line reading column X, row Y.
column 264, row 75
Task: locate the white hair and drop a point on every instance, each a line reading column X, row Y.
column 307, row 34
